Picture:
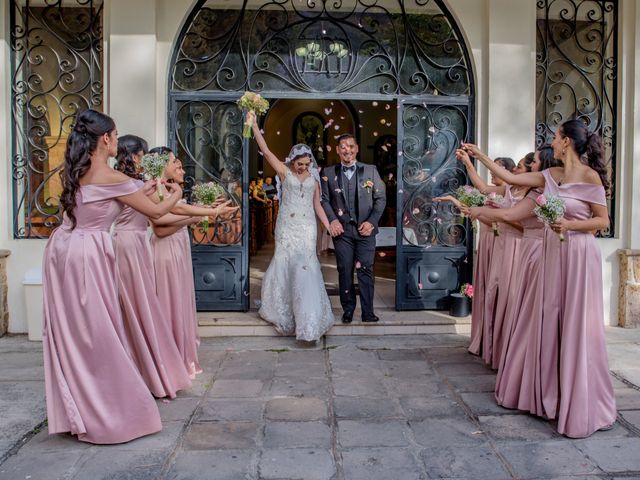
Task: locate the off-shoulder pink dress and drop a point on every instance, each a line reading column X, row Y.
column 480, row 278
column 92, row 386
column 574, row 383
column 514, row 382
column 147, row 327
column 176, row 291
column 499, row 286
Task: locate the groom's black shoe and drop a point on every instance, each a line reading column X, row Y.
column 347, row 317
column 369, row 318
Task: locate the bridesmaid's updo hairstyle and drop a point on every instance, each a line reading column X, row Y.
column 529, row 159
column 587, row 145
column 506, row 162
column 89, row 126
column 128, row 146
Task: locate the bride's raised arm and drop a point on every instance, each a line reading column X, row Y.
column 276, row 164
column 529, row 179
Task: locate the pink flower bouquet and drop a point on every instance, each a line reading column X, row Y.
column 467, row 290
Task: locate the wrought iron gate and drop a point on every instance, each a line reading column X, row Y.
column 406, row 51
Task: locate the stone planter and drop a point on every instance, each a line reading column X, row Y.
column 4, row 290
column 629, row 294
column 460, row 305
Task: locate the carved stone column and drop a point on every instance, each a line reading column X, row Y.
column 4, row 289
column 629, row 294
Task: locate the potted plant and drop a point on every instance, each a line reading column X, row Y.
column 461, row 301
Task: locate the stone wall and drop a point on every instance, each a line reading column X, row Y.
column 4, row 289
column 629, row 294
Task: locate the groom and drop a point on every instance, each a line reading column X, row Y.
column 353, row 197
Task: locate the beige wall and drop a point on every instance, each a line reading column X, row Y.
column 501, row 36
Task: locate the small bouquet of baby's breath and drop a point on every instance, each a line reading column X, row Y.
column 549, row 209
column 206, row 194
column 253, row 102
column 470, row 197
column 153, row 165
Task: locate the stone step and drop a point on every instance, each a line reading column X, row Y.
column 249, row 324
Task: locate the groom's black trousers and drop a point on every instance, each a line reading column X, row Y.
column 353, row 251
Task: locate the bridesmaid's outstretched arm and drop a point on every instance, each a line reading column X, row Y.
column 529, row 179
column 523, row 209
column 276, row 164
column 476, row 179
column 141, row 202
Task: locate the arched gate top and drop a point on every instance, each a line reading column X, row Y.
column 379, row 47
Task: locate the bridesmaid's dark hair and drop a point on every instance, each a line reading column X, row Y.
column 587, row 145
column 529, row 158
column 161, row 150
column 547, row 160
column 128, row 146
column 89, row 126
column 506, row 162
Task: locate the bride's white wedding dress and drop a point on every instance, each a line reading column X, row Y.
column 294, row 298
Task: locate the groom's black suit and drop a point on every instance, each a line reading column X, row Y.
column 352, row 203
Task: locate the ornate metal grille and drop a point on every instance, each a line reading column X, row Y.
column 577, row 72
column 375, row 46
column 56, row 49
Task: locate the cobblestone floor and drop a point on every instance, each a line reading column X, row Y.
column 393, row 407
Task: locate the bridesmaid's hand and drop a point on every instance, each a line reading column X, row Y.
column 561, row 225
column 472, row 150
column 225, row 211
column 473, row 213
column 149, row 187
column 463, row 156
column 219, row 201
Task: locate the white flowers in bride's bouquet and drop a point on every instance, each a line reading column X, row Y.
column 206, row 194
column 549, row 209
column 255, row 103
column 153, row 165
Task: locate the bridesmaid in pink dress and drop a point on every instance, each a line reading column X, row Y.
column 173, row 267
column 514, row 383
column 574, row 380
column 148, row 330
column 93, row 389
column 500, row 274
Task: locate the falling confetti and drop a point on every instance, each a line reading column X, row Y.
column 415, row 211
column 260, row 153
column 260, row 172
column 360, row 111
column 375, row 134
column 382, row 121
column 388, row 124
column 434, row 179
column 335, row 137
column 432, row 129
column 337, row 127
column 382, row 254
column 326, row 179
column 420, row 286
column 387, row 107
column 360, row 125
column 342, row 117
column 245, row 293
column 327, row 111
column 375, row 104
column 340, row 212
column 331, row 103
column 278, row 132
column 329, row 123
column 358, row 264
column 328, row 148
column 384, row 148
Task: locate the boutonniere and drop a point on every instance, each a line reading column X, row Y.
column 368, row 184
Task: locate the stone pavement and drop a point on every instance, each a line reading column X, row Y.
column 388, row 407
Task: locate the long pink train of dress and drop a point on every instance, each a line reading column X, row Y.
column 500, row 281
column 480, row 277
column 93, row 389
column 574, row 380
column 176, row 291
column 149, row 334
column 514, row 382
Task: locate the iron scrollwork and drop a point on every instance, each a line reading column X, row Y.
column 576, row 73
column 373, row 46
column 430, row 169
column 209, row 140
column 56, row 52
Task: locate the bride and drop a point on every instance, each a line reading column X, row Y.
column 294, row 298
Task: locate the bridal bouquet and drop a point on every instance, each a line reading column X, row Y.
column 153, row 165
column 495, row 200
column 549, row 209
column 206, row 194
column 467, row 290
column 255, row 103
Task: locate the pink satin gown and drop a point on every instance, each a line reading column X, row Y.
column 574, row 383
column 148, row 330
column 501, row 278
column 480, row 278
column 176, row 291
column 92, row 386
column 516, row 378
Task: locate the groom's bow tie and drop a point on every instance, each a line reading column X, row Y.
column 352, row 168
